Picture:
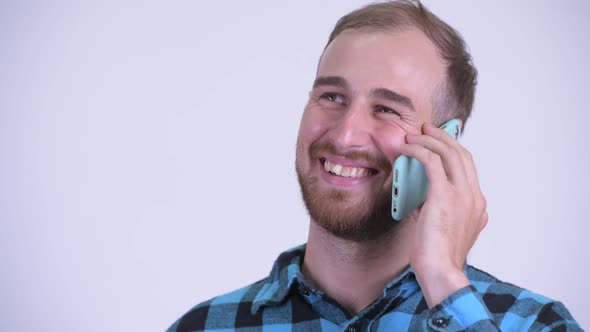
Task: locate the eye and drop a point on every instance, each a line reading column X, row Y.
column 383, row 109
column 333, row 97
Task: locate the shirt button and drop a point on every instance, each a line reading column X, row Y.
column 440, row 322
column 304, row 291
column 351, row 328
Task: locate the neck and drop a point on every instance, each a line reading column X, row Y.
column 355, row 273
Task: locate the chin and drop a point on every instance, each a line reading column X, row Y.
column 342, row 214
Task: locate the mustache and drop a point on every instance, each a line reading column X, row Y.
column 378, row 160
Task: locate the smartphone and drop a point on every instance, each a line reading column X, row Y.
column 410, row 183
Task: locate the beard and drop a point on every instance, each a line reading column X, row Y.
column 341, row 212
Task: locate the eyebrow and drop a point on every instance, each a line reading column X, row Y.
column 382, row 93
column 331, row 81
column 393, row 96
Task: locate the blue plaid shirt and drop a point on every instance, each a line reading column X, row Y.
column 285, row 301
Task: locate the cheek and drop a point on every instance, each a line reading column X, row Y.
column 313, row 126
column 389, row 141
column 311, row 129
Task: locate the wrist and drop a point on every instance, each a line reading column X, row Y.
column 439, row 284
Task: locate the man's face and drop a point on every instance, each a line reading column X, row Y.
column 372, row 88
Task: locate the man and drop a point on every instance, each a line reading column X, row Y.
column 390, row 74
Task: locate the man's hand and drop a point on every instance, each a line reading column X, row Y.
column 451, row 218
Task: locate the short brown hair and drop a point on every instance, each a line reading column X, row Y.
column 455, row 98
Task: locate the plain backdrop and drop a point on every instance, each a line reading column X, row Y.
column 147, row 150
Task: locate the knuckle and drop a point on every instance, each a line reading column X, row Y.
column 484, row 220
column 480, row 203
column 484, row 203
column 468, row 156
column 433, row 157
column 457, row 152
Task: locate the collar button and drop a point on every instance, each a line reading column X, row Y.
column 440, row 322
column 352, row 328
column 304, row 291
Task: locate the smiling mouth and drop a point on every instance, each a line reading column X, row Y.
column 346, row 171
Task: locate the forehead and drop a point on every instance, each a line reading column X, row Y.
column 403, row 60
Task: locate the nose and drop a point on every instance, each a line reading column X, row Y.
column 353, row 129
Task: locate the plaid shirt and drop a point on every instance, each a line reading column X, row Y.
column 285, row 301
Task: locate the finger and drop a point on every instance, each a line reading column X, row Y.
column 470, row 169
column 439, row 134
column 470, row 172
column 431, row 162
column 452, row 160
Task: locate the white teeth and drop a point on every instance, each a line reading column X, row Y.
column 351, row 172
column 345, row 171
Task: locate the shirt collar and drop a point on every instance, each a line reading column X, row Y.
column 286, row 272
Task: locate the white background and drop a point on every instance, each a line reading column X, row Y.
column 147, row 150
